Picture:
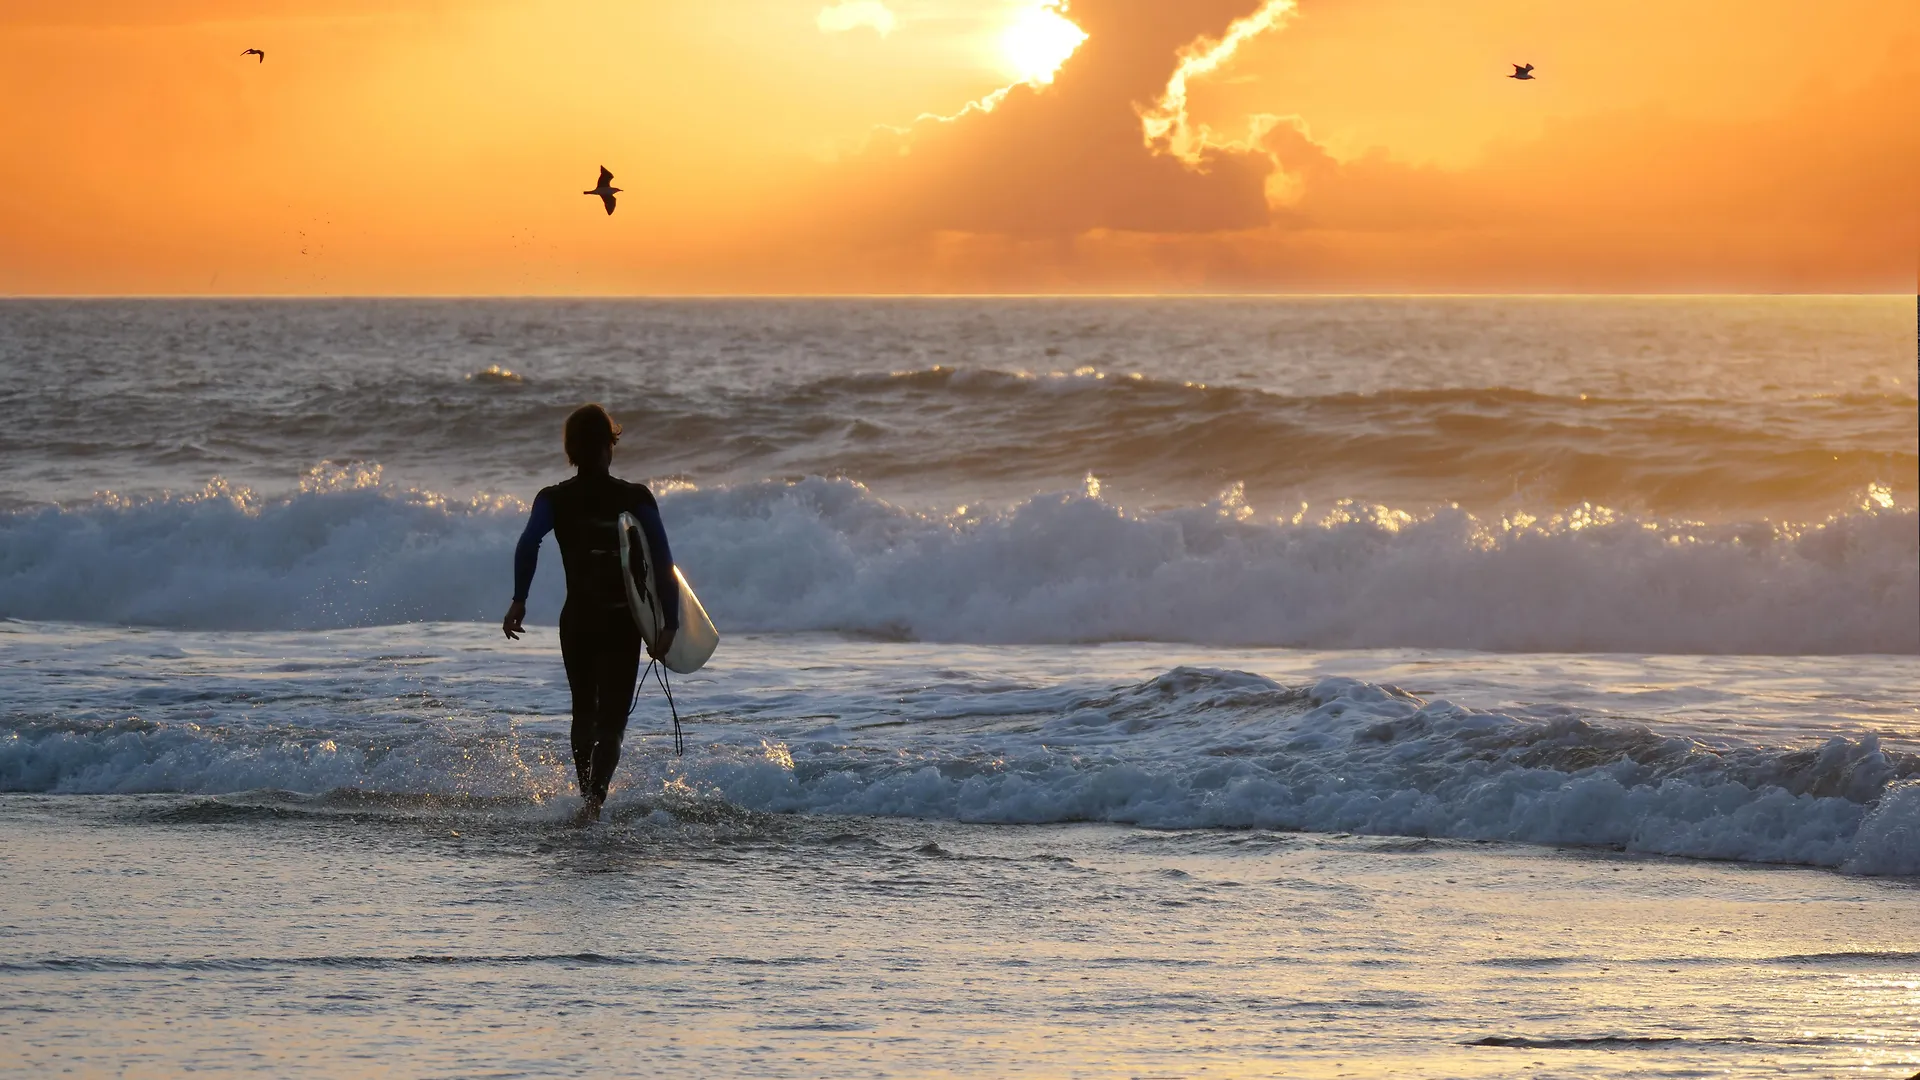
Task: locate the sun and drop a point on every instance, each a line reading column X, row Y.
column 1038, row 41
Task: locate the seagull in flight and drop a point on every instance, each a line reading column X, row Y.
column 605, row 190
column 261, row 53
column 1522, row 71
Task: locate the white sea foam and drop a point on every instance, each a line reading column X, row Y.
column 828, row 555
column 1198, row 749
column 1193, row 748
column 1889, row 840
column 136, row 758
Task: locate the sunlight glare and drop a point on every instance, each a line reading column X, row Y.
column 1038, row 41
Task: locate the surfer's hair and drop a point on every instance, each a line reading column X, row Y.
column 590, row 435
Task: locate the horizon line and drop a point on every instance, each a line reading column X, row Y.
column 1115, row 295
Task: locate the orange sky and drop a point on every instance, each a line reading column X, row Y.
column 439, row 146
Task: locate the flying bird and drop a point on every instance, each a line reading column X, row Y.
column 605, row 190
column 1522, row 71
column 261, row 53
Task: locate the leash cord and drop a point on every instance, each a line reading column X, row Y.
column 659, row 673
column 679, row 744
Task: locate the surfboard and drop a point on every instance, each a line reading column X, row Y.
column 696, row 639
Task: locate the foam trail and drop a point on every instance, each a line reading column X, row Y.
column 827, row 555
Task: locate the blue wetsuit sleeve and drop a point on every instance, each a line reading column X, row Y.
column 526, row 554
column 647, row 512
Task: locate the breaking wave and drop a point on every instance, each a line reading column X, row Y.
column 1192, row 748
column 827, row 555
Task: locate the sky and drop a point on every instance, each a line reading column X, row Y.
column 440, row 147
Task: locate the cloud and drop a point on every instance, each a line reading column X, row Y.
column 853, row 14
column 1057, row 160
column 1165, row 125
column 1101, row 181
column 1818, row 195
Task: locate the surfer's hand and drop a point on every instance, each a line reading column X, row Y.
column 511, row 625
column 661, row 643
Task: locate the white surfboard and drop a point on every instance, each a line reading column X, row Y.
column 696, row 639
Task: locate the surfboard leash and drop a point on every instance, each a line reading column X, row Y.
column 659, row 673
column 679, row 744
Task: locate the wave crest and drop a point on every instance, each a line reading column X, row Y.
column 1193, row 748
column 827, row 555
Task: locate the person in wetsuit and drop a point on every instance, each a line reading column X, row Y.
column 599, row 642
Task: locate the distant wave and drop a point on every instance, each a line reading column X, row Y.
column 984, row 430
column 1193, row 748
column 1477, row 444
column 827, row 555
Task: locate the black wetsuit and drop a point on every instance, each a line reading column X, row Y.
column 598, row 639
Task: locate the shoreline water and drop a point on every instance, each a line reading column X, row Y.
column 1570, row 730
column 1809, row 760
column 781, row 946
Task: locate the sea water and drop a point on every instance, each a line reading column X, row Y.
column 1414, row 687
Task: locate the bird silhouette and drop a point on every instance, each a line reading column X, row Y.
column 261, row 53
column 605, row 190
column 1522, row 71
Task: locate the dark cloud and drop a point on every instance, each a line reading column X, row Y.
column 1056, row 191
column 1066, row 158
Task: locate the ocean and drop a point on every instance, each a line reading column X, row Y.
column 1430, row 687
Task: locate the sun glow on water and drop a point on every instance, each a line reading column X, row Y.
column 1038, row 41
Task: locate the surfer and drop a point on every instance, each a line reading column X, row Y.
column 599, row 642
